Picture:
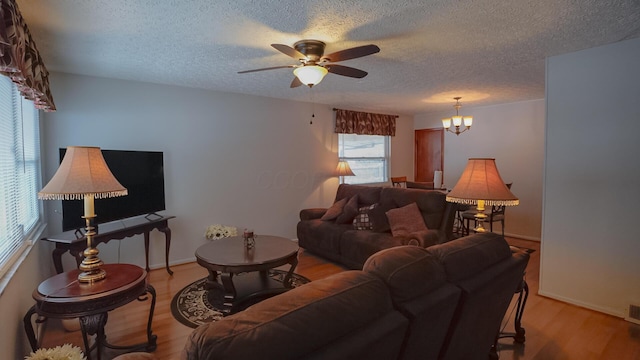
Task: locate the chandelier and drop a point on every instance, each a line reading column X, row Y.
column 457, row 120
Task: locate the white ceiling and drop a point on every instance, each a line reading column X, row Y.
column 487, row 51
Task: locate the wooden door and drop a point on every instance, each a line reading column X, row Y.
column 429, row 152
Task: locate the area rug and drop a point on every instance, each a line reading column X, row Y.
column 199, row 304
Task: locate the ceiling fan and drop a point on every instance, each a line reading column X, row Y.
column 314, row 65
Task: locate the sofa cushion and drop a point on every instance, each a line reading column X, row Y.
column 432, row 204
column 362, row 220
column 367, row 195
column 406, row 220
column 470, row 255
column 408, row 271
column 330, row 231
column 349, row 211
column 357, row 245
column 378, row 217
column 335, row 210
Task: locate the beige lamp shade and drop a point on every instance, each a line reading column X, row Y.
column 481, row 181
column 82, row 173
column 344, row 169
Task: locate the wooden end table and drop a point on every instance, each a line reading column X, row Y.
column 63, row 297
column 228, row 257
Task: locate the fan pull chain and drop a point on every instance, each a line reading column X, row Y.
column 313, row 108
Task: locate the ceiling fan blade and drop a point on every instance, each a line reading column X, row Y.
column 351, row 53
column 269, row 68
column 346, row 71
column 295, row 82
column 288, row 50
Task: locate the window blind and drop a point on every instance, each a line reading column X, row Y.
column 19, row 171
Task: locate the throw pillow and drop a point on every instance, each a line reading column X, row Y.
column 406, row 220
column 335, row 210
column 378, row 218
column 362, row 220
column 349, row 211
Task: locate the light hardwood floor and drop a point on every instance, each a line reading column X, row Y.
column 554, row 330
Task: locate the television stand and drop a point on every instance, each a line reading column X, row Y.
column 75, row 242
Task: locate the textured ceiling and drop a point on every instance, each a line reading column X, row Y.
column 487, row 51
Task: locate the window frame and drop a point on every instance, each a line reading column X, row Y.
column 386, row 159
column 21, row 163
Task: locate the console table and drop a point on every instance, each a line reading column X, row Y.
column 75, row 241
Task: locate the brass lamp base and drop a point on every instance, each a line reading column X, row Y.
column 91, row 264
column 86, row 277
column 480, row 217
column 91, row 267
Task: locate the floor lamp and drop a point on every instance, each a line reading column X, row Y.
column 480, row 185
column 84, row 175
column 343, row 169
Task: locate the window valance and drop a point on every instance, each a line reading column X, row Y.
column 362, row 123
column 20, row 59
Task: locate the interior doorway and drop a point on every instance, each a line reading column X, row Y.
column 429, row 150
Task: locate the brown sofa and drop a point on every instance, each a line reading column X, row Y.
column 341, row 242
column 445, row 302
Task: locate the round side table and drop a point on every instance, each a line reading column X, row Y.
column 63, row 297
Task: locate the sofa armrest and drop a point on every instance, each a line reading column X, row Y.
column 311, row 214
column 423, row 239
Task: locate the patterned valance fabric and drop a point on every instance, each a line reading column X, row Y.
column 362, row 123
column 20, row 59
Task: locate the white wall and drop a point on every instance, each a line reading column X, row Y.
column 16, row 300
column 230, row 159
column 590, row 244
column 513, row 134
column 402, row 148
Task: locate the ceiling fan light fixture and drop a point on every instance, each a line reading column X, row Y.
column 310, row 74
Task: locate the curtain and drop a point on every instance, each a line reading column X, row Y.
column 362, row 123
column 20, row 59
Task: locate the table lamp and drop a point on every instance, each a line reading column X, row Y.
column 83, row 174
column 480, row 185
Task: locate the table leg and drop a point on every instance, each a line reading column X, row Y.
column 519, row 336
column 167, row 244
column 28, row 328
column 229, row 290
column 146, row 250
column 57, row 258
column 151, row 339
column 287, row 278
column 93, row 325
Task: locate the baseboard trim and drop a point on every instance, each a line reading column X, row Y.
column 523, row 237
column 605, row 310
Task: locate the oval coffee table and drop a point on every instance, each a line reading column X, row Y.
column 228, row 257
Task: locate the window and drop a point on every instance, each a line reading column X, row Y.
column 367, row 155
column 19, row 171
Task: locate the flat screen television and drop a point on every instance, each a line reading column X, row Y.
column 141, row 172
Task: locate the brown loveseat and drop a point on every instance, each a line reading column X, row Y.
column 445, row 302
column 337, row 239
